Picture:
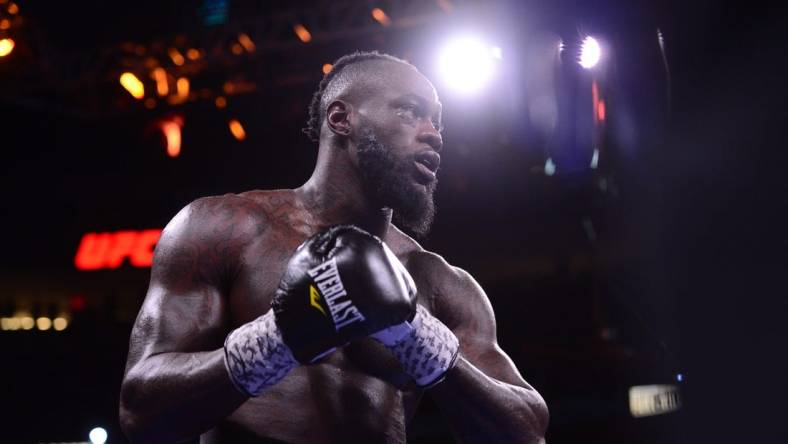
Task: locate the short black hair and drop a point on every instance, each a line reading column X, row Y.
column 316, row 111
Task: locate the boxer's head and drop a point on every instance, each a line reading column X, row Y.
column 387, row 116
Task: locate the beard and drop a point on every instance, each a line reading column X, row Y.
column 388, row 181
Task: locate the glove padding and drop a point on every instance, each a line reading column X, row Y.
column 340, row 285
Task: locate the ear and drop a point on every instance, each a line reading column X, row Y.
column 338, row 117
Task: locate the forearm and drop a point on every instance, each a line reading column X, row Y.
column 173, row 396
column 480, row 409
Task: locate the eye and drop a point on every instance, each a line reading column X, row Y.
column 408, row 110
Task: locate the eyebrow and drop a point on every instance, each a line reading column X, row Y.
column 422, row 101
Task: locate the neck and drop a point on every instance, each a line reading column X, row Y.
column 334, row 194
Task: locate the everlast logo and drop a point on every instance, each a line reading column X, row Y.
column 326, row 277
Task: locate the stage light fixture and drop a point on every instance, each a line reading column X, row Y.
column 6, row 46
column 467, row 63
column 133, row 85
column 182, row 86
column 160, row 76
column 590, row 53
column 5, row 24
column 193, row 54
column 44, row 323
column 380, row 16
column 60, row 323
column 98, row 436
column 237, row 129
column 176, row 56
column 26, row 322
column 246, row 42
column 303, row 34
column 594, row 159
column 172, row 132
column 549, row 167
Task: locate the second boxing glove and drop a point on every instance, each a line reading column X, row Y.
column 339, row 286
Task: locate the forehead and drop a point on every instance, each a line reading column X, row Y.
column 394, row 79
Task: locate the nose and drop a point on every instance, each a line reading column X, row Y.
column 431, row 136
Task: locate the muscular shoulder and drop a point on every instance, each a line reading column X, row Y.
column 451, row 292
column 206, row 238
column 216, row 219
column 425, row 262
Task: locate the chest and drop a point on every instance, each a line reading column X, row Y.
column 262, row 265
column 263, row 262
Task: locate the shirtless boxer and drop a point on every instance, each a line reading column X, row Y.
column 364, row 321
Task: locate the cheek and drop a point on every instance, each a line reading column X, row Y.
column 390, row 129
column 398, row 135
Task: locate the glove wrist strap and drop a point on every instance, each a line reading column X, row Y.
column 256, row 357
column 425, row 347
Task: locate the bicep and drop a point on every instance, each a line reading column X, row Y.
column 470, row 315
column 184, row 309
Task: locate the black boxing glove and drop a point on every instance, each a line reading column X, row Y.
column 340, row 285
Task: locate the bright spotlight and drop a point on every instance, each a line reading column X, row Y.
column 549, row 166
column 590, row 53
column 6, row 46
column 98, row 436
column 133, row 85
column 466, row 64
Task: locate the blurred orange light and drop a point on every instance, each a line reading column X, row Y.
column 13, row 8
column 182, row 86
column 379, row 15
column 237, row 129
column 176, row 56
column 60, row 323
column 27, row 323
column 220, row 102
column 236, row 49
column 193, row 54
column 133, row 85
column 162, row 87
column 327, row 68
column 246, row 42
column 303, row 34
column 44, row 323
column 5, row 24
column 172, row 132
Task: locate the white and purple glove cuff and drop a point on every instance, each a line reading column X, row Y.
column 256, row 357
column 425, row 347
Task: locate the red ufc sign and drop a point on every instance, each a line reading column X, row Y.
column 109, row 250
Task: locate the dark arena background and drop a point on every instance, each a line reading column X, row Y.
column 613, row 176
